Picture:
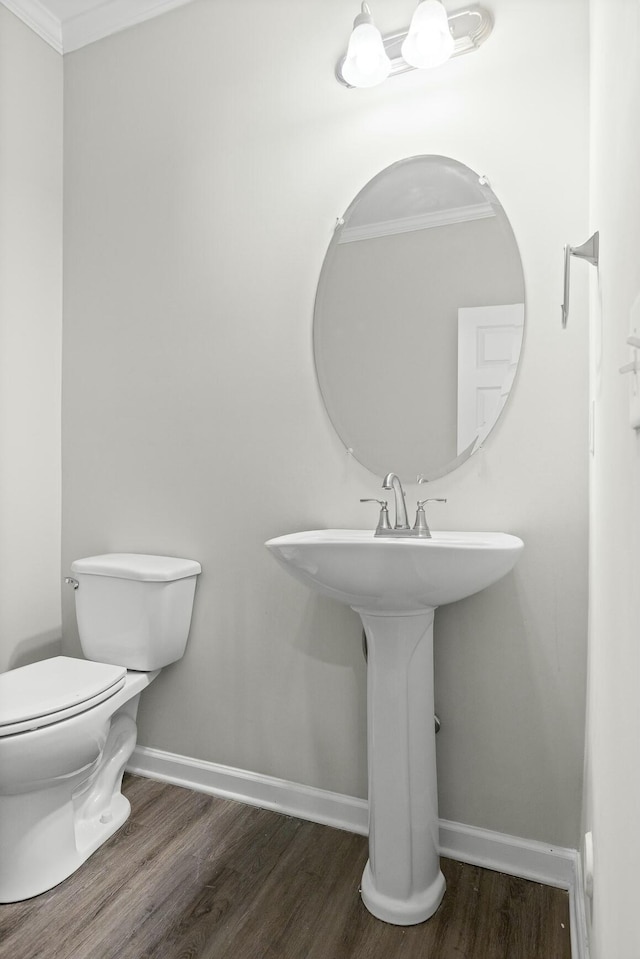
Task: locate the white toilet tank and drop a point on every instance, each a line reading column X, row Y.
column 134, row 610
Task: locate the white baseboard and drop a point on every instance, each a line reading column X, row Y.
column 526, row 858
column 578, row 914
column 293, row 799
column 551, row 865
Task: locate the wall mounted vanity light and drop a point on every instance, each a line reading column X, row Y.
column 431, row 39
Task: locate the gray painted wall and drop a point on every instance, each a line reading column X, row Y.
column 200, row 197
column 30, row 343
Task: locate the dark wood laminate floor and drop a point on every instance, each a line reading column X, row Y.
column 194, row 877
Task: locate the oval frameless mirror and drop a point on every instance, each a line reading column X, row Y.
column 419, row 318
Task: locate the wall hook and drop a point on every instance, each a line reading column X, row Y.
column 589, row 251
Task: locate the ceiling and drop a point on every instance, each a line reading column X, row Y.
column 70, row 24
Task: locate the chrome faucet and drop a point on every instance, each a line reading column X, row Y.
column 420, row 528
column 391, row 481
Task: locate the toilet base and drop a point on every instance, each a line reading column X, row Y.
column 48, row 833
column 37, row 869
column 92, row 833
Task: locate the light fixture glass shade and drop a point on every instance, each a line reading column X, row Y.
column 428, row 42
column 366, row 63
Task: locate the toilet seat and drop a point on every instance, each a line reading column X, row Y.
column 54, row 689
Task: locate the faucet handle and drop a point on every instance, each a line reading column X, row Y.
column 383, row 519
column 421, row 527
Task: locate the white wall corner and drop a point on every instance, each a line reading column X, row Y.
column 36, row 16
column 527, row 859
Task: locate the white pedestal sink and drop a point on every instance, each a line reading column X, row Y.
column 395, row 585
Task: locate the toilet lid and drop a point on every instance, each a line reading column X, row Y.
column 53, row 689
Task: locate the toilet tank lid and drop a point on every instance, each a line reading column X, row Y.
column 140, row 566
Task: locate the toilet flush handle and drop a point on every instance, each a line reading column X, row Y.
column 70, row 581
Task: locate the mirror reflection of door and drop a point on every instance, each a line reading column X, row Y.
column 424, row 238
column 489, row 341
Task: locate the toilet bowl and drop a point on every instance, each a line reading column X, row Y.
column 68, row 726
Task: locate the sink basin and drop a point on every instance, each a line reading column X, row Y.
column 395, row 585
column 376, row 573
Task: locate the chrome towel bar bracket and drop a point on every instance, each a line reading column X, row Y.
column 589, row 251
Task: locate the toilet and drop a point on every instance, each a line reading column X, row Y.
column 68, row 726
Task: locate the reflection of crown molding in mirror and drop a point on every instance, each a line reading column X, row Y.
column 469, row 27
column 423, row 221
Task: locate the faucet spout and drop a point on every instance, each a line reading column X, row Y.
column 391, row 481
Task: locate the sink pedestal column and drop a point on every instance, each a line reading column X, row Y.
column 402, row 882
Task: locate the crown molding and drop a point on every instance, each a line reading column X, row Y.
column 36, row 16
column 111, row 16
